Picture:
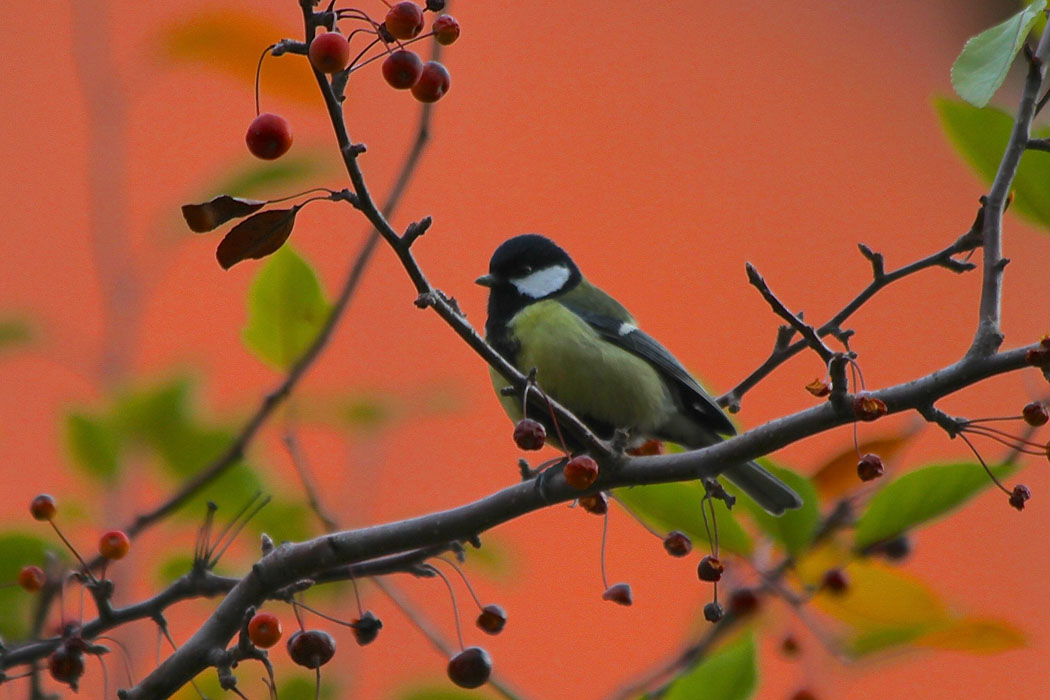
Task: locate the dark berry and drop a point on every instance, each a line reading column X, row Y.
column 269, row 136
column 868, row 408
column 311, row 648
column 31, row 578
column 1019, row 496
column 492, row 619
column 329, row 52
column 581, row 472
column 677, row 543
column 710, row 569
column 619, row 593
column 597, row 503
column 366, row 628
column 433, row 83
column 43, row 507
column 713, row 612
column 1038, row 357
column 66, row 665
column 401, row 69
column 264, row 629
column 446, row 30
column 835, row 581
column 436, row 5
column 743, row 601
column 896, row 549
column 404, row 20
column 1035, row 414
column 529, row 434
column 470, row 668
column 803, row 694
column 870, row 467
column 789, row 646
column 114, row 545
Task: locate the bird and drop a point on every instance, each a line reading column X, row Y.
column 590, row 355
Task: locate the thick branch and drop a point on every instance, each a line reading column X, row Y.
column 989, row 335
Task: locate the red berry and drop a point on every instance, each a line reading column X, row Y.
column 114, row 545
column 401, row 69
column 619, row 593
column 1035, row 414
column 803, row 694
column 677, row 543
column 433, row 82
column 1019, row 496
column 366, row 628
column 446, row 30
column 710, row 569
column 835, row 581
column 713, row 612
column 269, row 136
column 870, row 467
column 529, row 434
column 743, row 601
column 43, row 507
column 1045, row 341
column 649, row 447
column 597, row 503
column 470, row 668
column 868, row 408
column 311, row 648
column 404, row 20
column 31, row 578
column 329, row 52
column 819, row 388
column 264, row 629
column 581, row 472
column 492, row 619
column 66, row 665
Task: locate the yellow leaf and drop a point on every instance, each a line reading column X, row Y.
column 880, row 596
column 974, row 635
column 231, row 42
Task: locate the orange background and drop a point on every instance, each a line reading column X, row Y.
column 663, row 144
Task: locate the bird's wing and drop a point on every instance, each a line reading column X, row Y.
column 632, row 339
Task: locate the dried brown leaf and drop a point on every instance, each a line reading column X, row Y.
column 256, row 236
column 208, row 216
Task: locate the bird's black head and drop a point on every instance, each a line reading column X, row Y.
column 525, row 269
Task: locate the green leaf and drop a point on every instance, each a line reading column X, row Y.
column 174, row 567
column 261, row 179
column 980, row 135
column 730, row 673
column 676, row 506
column 795, row 529
column 18, row 550
column 13, row 333
column 94, row 444
column 985, row 59
column 921, row 496
column 439, row 693
column 286, row 309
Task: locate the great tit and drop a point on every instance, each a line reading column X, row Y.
column 592, row 358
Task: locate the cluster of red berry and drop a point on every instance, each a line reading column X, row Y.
column 270, row 135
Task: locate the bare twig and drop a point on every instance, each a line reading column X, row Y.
column 808, row 333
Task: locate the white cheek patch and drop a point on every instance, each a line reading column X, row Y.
column 542, row 282
column 626, row 328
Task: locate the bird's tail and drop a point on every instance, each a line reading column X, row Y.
column 768, row 491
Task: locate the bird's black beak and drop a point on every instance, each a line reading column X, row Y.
column 486, row 281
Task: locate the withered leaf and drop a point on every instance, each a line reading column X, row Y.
column 216, row 212
column 256, row 236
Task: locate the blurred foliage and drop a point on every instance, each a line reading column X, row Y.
column 980, row 135
column 441, row 693
column 231, row 42
column 919, row 497
column 16, row 606
column 794, row 529
column 838, row 476
column 286, row 309
column 14, row 333
column 728, row 673
column 986, row 58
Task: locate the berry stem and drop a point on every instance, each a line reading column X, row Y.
column 466, row 581
column 455, row 607
column 980, row 459
column 87, row 571
column 605, row 535
column 386, row 51
column 317, row 612
column 1011, row 441
column 258, row 72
